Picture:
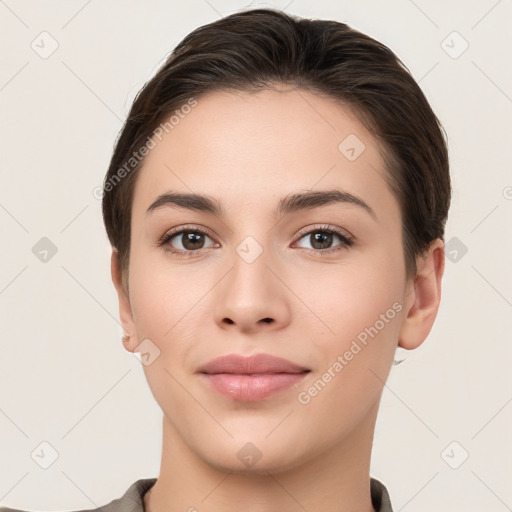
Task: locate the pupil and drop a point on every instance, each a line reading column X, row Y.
column 325, row 240
column 193, row 240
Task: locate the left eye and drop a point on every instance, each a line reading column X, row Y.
column 322, row 239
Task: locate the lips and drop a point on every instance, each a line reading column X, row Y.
column 253, row 378
column 255, row 364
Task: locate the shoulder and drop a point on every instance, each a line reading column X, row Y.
column 131, row 501
column 380, row 496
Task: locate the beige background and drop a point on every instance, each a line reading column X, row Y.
column 65, row 378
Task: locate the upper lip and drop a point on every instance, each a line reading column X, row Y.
column 254, row 364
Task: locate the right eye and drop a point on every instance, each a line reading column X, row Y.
column 184, row 241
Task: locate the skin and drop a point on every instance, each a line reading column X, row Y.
column 248, row 151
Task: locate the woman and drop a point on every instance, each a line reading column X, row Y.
column 276, row 203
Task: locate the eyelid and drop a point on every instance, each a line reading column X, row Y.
column 180, row 229
column 326, row 227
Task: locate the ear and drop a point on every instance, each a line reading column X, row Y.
column 125, row 308
column 423, row 297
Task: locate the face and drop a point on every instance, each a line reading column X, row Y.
column 319, row 283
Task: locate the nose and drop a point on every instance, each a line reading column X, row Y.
column 252, row 297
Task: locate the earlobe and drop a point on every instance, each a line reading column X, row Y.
column 423, row 297
column 125, row 309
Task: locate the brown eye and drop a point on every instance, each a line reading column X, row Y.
column 192, row 240
column 322, row 240
column 186, row 241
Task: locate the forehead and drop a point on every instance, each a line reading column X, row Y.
column 241, row 146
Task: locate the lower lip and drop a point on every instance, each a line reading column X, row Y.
column 251, row 388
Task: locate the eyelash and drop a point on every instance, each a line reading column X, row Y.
column 346, row 240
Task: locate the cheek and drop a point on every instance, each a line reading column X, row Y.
column 162, row 295
column 349, row 298
column 365, row 312
column 163, row 302
column 362, row 306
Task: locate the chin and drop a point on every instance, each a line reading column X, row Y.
column 244, row 457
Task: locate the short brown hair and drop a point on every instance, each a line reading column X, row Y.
column 258, row 48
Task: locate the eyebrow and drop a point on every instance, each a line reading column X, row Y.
column 288, row 204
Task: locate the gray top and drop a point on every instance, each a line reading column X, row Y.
column 133, row 499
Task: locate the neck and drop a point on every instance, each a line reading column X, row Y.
column 336, row 480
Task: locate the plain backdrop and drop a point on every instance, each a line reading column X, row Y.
column 68, row 75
